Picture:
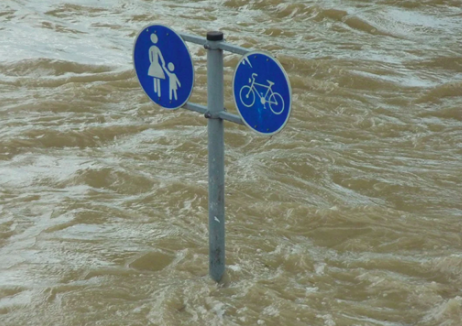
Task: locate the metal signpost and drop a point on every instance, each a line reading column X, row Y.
column 262, row 94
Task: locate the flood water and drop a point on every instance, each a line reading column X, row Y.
column 352, row 215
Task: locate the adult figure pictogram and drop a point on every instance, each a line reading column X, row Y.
column 157, row 67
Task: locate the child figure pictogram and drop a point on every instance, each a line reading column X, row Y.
column 174, row 82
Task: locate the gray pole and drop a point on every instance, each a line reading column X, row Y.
column 216, row 148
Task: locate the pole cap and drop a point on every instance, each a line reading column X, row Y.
column 214, row 36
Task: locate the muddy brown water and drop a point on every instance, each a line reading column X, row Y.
column 352, row 215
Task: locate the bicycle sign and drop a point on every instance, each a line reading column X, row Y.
column 262, row 93
column 274, row 100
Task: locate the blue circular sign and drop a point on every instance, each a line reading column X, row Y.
column 163, row 66
column 262, row 93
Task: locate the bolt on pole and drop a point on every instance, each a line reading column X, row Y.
column 216, row 151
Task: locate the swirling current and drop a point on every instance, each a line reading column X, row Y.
column 352, row 215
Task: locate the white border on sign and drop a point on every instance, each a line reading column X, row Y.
column 190, row 57
column 288, row 83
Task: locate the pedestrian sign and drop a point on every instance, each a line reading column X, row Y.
column 262, row 93
column 163, row 66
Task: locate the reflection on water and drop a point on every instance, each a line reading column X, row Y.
column 350, row 216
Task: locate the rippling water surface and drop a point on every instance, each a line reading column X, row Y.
column 350, row 216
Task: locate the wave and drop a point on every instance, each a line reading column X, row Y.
column 449, row 64
column 43, row 72
column 49, row 67
column 444, row 113
column 435, row 94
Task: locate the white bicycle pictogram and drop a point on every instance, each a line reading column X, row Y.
column 274, row 100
